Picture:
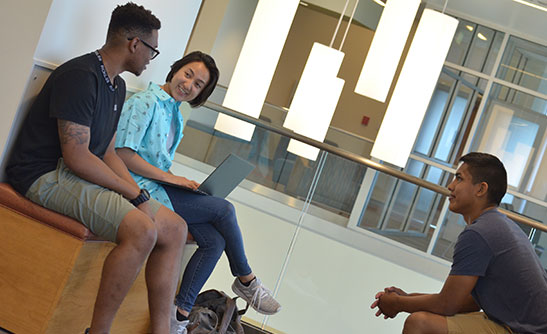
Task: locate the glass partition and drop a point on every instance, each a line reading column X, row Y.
column 449, row 116
column 326, row 236
column 513, row 127
column 316, row 261
column 524, row 63
column 276, row 168
column 403, row 211
column 475, row 46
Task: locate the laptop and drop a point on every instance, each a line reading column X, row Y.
column 223, row 179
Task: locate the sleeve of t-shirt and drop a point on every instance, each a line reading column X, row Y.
column 134, row 121
column 74, row 96
column 471, row 255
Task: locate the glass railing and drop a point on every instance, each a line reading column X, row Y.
column 403, row 211
column 404, row 206
column 277, row 168
column 344, row 226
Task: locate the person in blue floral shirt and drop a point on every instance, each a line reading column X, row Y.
column 149, row 131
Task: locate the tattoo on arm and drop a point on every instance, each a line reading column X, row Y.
column 72, row 133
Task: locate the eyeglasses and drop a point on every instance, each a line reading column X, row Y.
column 153, row 51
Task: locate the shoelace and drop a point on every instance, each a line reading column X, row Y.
column 181, row 330
column 180, row 326
column 260, row 293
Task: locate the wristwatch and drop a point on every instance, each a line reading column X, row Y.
column 144, row 196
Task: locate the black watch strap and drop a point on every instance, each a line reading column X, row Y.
column 144, row 196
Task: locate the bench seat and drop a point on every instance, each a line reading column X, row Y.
column 50, row 271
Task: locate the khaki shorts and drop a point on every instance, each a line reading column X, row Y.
column 474, row 322
column 100, row 209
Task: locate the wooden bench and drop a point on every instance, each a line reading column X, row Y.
column 50, row 269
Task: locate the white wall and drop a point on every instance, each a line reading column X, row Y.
column 75, row 27
column 21, row 23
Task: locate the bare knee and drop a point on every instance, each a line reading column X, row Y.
column 425, row 323
column 416, row 323
column 138, row 231
column 172, row 229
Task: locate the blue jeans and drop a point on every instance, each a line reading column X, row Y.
column 213, row 224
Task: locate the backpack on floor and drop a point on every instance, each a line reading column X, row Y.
column 214, row 312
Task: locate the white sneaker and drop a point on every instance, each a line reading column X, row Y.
column 177, row 327
column 257, row 295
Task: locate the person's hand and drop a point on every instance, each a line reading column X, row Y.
column 376, row 303
column 182, row 181
column 388, row 304
column 397, row 290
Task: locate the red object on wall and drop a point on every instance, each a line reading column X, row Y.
column 365, row 120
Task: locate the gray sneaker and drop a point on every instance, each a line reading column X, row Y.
column 257, row 295
column 177, row 327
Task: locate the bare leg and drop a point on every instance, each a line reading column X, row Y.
column 163, row 267
column 136, row 238
column 425, row 323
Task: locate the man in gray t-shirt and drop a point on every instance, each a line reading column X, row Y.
column 495, row 268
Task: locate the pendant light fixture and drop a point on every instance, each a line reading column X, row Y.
column 256, row 64
column 414, row 88
column 386, row 48
column 317, row 94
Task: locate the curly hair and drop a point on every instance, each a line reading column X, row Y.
column 131, row 19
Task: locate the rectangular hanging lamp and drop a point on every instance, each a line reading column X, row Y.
column 315, row 99
column 256, row 64
column 386, row 48
column 414, row 87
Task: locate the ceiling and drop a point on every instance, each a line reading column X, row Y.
column 506, row 15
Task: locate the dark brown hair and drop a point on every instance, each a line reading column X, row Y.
column 209, row 62
column 485, row 167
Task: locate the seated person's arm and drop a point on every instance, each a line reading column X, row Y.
column 469, row 305
column 138, row 165
column 112, row 160
column 455, row 297
column 74, row 139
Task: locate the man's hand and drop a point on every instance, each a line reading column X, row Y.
column 388, row 304
column 376, row 303
column 397, row 290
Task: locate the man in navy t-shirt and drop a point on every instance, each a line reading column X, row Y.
column 64, row 159
column 494, row 269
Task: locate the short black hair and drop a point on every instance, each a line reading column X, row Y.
column 209, row 62
column 485, row 167
column 131, row 20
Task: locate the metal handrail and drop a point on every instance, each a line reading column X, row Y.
column 359, row 159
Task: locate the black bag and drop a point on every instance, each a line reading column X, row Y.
column 214, row 312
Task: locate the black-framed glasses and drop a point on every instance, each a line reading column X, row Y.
column 153, row 51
